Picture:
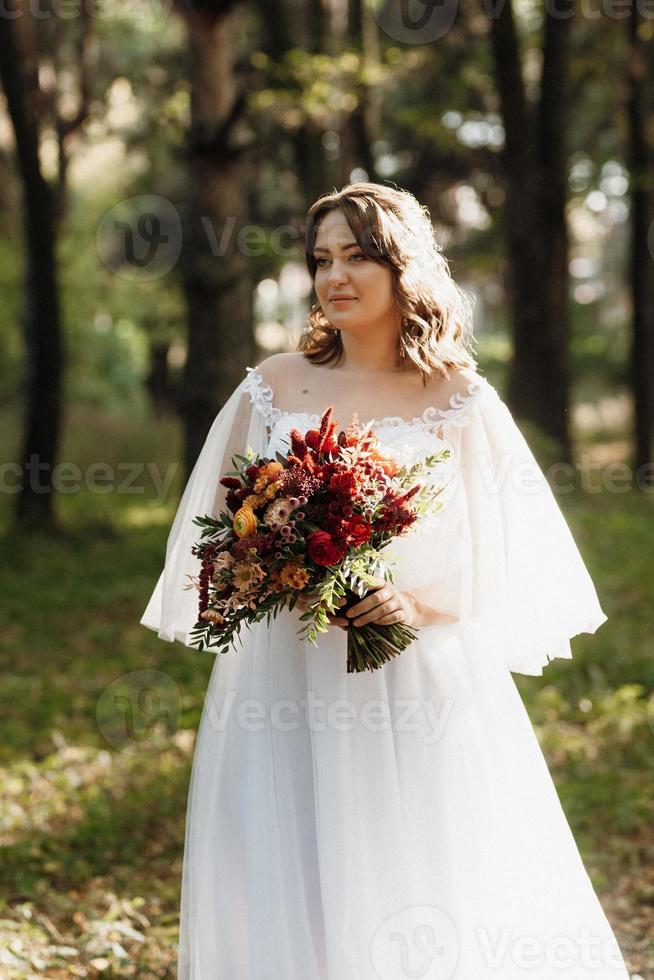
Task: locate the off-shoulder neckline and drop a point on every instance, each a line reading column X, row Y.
column 263, row 396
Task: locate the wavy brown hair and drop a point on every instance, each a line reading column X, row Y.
column 393, row 228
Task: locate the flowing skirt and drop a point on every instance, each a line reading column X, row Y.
column 387, row 825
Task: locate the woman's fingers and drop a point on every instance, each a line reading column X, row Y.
column 338, row 620
column 374, row 598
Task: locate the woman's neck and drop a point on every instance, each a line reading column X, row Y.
column 361, row 358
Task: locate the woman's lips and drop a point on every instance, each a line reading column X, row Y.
column 350, row 299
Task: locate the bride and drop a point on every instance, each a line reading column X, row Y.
column 397, row 823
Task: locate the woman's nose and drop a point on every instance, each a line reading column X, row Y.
column 338, row 273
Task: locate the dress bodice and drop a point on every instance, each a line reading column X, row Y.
column 408, row 437
column 417, row 557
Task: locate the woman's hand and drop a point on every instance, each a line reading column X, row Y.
column 384, row 604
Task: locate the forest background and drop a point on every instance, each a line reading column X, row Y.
column 156, row 163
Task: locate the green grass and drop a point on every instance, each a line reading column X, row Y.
column 92, row 821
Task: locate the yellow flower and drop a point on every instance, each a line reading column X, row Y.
column 254, row 500
column 294, row 575
column 244, row 522
column 267, row 473
column 271, row 469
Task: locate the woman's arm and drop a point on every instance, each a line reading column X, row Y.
column 386, row 604
column 426, row 616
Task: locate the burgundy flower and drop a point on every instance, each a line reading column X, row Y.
column 323, row 549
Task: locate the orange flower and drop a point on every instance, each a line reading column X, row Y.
column 294, row 575
column 244, row 522
column 271, row 490
column 254, row 500
column 388, row 465
column 267, row 474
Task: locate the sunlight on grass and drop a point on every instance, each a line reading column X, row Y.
column 157, row 515
column 91, row 868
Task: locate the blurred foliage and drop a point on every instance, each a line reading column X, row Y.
column 435, row 130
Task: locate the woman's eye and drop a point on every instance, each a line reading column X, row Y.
column 357, row 255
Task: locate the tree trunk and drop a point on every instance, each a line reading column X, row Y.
column 158, row 379
column 318, row 21
column 43, row 337
column 535, row 226
column 215, row 270
column 316, row 172
column 363, row 124
column 552, row 119
column 640, row 267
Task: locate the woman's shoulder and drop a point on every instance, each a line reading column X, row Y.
column 266, row 379
column 279, row 370
column 461, row 383
column 277, row 366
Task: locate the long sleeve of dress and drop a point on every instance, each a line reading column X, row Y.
column 503, row 556
column 172, row 610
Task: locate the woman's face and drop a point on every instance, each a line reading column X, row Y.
column 345, row 269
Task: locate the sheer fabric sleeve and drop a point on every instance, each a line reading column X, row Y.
column 241, row 423
column 528, row 582
column 501, row 555
column 434, row 562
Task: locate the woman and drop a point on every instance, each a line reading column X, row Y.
column 401, row 822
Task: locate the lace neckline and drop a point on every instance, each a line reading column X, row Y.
column 262, row 395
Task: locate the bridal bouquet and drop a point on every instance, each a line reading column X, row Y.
column 312, row 523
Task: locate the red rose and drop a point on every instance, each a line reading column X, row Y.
column 357, row 531
column 323, row 549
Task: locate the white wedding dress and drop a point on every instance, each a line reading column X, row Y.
column 400, row 823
